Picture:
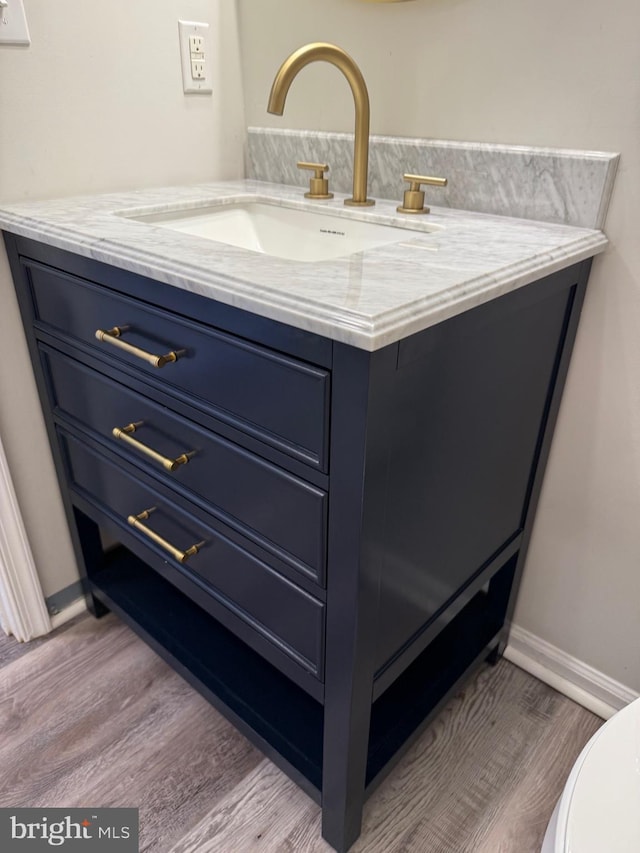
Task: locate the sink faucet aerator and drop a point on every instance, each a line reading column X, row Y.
column 324, row 52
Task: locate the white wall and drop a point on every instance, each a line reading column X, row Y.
column 95, row 104
column 532, row 72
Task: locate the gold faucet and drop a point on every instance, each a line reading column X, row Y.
column 322, row 51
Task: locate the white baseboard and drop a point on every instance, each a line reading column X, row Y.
column 568, row 675
column 70, row 612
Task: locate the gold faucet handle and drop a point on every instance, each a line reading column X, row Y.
column 414, row 196
column 318, row 184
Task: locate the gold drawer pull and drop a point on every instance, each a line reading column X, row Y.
column 112, row 336
column 176, row 553
column 124, row 434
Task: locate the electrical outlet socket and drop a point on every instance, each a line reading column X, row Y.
column 196, row 54
column 196, row 46
column 197, row 69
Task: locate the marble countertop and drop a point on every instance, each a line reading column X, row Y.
column 369, row 299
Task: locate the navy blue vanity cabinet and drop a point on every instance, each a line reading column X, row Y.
column 326, row 542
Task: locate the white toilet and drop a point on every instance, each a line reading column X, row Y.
column 599, row 810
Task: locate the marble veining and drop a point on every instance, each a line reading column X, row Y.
column 553, row 185
column 369, row 299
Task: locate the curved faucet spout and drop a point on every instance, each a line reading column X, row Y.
column 324, row 52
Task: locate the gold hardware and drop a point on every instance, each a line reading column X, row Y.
column 112, row 336
column 124, row 434
column 323, row 52
column 318, row 185
column 176, row 553
column 414, row 196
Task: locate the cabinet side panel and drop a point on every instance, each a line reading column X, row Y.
column 469, row 413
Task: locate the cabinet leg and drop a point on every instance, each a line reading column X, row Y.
column 497, row 651
column 342, row 834
column 86, row 536
column 361, row 394
column 343, row 787
column 341, row 838
column 347, row 717
column 96, row 608
column 494, row 656
column 349, row 670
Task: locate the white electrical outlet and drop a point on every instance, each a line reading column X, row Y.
column 13, row 23
column 197, row 70
column 197, row 57
column 196, row 45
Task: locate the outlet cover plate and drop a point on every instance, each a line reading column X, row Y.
column 202, row 86
column 13, row 24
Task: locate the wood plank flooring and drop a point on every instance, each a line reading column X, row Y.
column 92, row 717
column 10, row 649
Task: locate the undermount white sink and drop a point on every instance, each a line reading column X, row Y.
column 283, row 232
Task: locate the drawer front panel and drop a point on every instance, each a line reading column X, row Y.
column 276, row 398
column 275, row 608
column 285, row 514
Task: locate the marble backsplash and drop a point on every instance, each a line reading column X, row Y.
column 546, row 184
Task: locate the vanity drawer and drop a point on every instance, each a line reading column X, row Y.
column 283, row 513
column 274, row 608
column 278, row 399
